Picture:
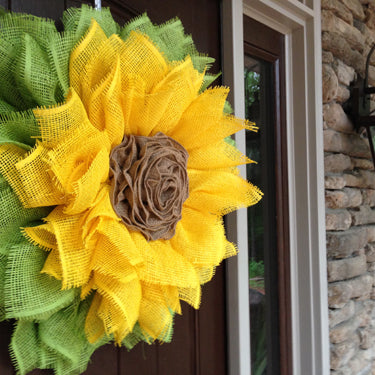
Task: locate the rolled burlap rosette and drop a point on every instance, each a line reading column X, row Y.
column 149, row 184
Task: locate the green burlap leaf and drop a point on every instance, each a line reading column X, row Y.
column 58, row 49
column 78, row 20
column 29, row 294
column 14, row 216
column 25, row 347
column 59, row 341
column 19, row 128
column 23, row 42
column 8, row 94
column 14, row 25
column 35, row 80
column 171, row 39
column 5, row 107
column 64, row 335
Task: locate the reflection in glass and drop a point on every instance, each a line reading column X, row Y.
column 259, row 102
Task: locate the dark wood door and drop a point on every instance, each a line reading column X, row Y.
column 199, row 344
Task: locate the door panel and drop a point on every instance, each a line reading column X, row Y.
column 51, row 9
column 199, row 342
column 5, row 334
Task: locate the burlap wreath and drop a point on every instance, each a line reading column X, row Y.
column 73, row 272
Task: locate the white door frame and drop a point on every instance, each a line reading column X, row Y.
column 301, row 24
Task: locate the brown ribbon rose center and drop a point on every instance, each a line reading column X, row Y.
column 149, row 184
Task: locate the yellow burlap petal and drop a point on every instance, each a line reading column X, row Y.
column 67, row 167
column 80, row 168
column 220, row 191
column 109, row 262
column 192, row 296
column 172, row 298
column 205, row 274
column 104, row 105
column 163, row 265
column 203, row 123
column 82, row 53
column 102, row 221
column 113, row 111
column 42, row 235
column 100, row 65
column 118, row 309
column 141, row 58
column 38, row 188
column 94, row 325
column 88, row 287
column 52, row 265
column 155, row 316
column 58, row 121
column 133, row 99
column 199, row 238
column 73, row 262
column 42, row 192
column 162, row 108
column 216, row 156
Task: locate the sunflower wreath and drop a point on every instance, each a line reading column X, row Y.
column 114, row 178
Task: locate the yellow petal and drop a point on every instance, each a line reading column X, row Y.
column 133, row 99
column 32, row 186
column 142, row 59
column 38, row 188
column 119, row 308
column 192, row 296
column 102, row 221
column 57, row 122
column 104, row 106
column 94, row 325
column 220, row 191
column 82, row 53
column 206, row 274
column 42, row 235
column 155, row 317
column 168, row 100
column 200, row 238
column 73, row 255
column 172, row 298
column 80, row 165
column 52, row 265
column 108, row 261
column 163, row 265
column 215, row 156
column 100, row 65
column 203, row 123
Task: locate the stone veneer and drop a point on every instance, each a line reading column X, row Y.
column 348, row 32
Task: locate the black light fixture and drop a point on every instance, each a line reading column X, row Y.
column 358, row 106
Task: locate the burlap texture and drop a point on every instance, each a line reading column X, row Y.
column 149, row 184
column 81, row 277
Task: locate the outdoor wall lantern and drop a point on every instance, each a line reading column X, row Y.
column 358, row 106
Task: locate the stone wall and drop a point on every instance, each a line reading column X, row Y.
column 348, row 32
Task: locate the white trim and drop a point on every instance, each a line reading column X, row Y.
column 301, row 26
column 238, row 315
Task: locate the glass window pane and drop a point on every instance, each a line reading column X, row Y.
column 259, row 102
